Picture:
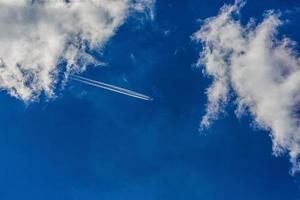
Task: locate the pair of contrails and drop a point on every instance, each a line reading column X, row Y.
column 110, row 87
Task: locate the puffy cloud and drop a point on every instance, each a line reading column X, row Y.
column 261, row 70
column 36, row 36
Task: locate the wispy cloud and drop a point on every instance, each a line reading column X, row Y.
column 146, row 6
column 36, row 36
column 262, row 70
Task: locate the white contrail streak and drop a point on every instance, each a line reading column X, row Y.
column 110, row 87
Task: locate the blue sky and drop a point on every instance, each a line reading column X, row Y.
column 94, row 144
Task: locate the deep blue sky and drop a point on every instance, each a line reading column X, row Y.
column 93, row 144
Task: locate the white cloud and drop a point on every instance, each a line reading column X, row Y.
column 146, row 6
column 261, row 70
column 35, row 36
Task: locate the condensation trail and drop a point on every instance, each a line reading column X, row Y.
column 110, row 87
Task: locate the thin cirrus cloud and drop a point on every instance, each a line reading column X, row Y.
column 36, row 36
column 260, row 69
